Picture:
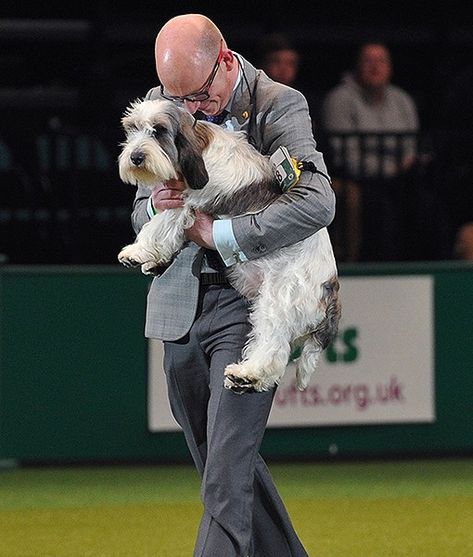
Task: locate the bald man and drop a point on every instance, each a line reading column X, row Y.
column 202, row 320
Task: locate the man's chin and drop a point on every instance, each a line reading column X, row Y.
column 211, row 109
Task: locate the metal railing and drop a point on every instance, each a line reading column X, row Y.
column 370, row 155
column 386, row 205
column 62, row 201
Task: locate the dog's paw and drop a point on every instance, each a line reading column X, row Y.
column 240, row 381
column 238, row 385
column 151, row 268
column 134, row 255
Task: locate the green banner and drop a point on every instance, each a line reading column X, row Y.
column 74, row 371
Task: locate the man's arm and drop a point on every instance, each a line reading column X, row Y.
column 295, row 215
column 337, row 112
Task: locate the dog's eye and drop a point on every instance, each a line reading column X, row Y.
column 158, row 130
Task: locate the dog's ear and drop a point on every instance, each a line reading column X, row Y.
column 191, row 163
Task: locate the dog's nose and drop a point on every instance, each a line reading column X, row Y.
column 137, row 158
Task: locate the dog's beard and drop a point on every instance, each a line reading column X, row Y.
column 156, row 166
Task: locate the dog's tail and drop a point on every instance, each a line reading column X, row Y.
column 321, row 336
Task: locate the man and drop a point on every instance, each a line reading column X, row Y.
column 367, row 102
column 201, row 319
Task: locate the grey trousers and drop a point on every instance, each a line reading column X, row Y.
column 243, row 512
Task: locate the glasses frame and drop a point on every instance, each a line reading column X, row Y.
column 203, row 93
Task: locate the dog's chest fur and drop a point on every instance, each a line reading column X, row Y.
column 241, row 180
column 249, row 199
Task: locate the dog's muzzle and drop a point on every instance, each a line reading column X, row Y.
column 137, row 158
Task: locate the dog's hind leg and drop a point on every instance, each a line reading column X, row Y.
column 307, row 361
column 265, row 355
column 267, row 351
column 322, row 336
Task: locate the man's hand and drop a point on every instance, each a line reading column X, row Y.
column 168, row 195
column 201, row 231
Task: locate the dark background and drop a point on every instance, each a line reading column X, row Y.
column 68, row 70
column 110, row 45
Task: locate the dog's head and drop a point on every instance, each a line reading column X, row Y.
column 161, row 144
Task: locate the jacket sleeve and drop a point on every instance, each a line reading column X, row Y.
column 310, row 204
column 139, row 215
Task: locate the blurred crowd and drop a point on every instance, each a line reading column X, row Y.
column 404, row 188
column 401, row 195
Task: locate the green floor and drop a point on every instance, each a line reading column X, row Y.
column 421, row 508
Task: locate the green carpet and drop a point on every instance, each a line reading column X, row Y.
column 421, row 508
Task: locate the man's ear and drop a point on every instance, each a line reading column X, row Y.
column 228, row 59
column 191, row 163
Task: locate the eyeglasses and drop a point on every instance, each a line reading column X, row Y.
column 203, row 93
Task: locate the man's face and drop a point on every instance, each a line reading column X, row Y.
column 219, row 95
column 283, row 65
column 201, row 87
column 374, row 66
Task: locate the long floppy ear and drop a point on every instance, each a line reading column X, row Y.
column 191, row 163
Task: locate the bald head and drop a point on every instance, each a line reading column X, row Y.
column 186, row 49
column 194, row 62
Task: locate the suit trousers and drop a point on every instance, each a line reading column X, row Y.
column 243, row 512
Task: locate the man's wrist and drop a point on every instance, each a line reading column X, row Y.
column 225, row 242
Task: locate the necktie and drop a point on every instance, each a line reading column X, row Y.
column 218, row 118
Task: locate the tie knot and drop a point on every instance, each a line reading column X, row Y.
column 218, row 118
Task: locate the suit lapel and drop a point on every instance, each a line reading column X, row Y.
column 244, row 108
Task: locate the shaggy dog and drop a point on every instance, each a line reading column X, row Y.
column 294, row 291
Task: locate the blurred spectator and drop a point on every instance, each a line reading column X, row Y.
column 463, row 246
column 370, row 167
column 280, row 59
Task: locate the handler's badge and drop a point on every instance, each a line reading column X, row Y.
column 287, row 172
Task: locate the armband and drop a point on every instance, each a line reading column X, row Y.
column 288, row 169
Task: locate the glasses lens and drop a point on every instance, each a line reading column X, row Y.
column 203, row 96
column 197, row 97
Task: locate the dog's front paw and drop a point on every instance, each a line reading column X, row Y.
column 151, row 268
column 134, row 255
column 240, row 381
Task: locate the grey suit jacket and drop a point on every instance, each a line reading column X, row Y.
column 274, row 115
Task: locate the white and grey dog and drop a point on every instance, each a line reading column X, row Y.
column 294, row 291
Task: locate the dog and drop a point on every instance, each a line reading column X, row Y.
column 294, row 292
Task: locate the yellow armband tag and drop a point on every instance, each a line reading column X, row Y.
column 287, row 170
column 297, row 169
